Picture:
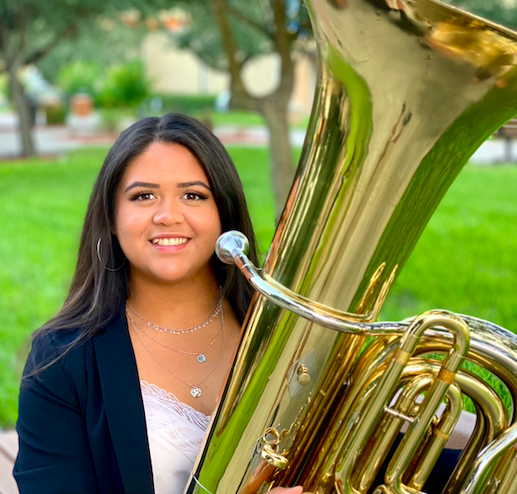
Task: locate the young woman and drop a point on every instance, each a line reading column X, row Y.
column 119, row 386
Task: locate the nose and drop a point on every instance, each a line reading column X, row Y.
column 168, row 213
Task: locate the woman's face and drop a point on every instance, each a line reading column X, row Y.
column 166, row 218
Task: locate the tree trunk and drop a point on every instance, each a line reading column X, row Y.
column 25, row 119
column 273, row 106
column 282, row 166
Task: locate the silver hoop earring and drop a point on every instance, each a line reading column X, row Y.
column 102, row 262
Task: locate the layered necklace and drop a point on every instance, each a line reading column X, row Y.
column 200, row 356
column 195, row 389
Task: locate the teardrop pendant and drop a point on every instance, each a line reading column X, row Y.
column 201, row 358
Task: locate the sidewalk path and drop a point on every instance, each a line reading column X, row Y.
column 8, row 450
column 50, row 141
column 55, row 140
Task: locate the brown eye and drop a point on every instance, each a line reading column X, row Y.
column 193, row 196
column 143, row 196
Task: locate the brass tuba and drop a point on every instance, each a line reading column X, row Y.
column 408, row 90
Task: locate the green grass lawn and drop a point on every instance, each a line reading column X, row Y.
column 240, row 118
column 465, row 261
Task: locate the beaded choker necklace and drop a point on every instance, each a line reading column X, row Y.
column 163, row 329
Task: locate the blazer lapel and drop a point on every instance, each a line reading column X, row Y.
column 124, row 408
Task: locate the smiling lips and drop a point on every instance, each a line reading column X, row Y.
column 169, row 241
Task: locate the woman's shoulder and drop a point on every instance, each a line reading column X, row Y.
column 67, row 347
column 51, row 349
column 50, row 343
column 63, row 337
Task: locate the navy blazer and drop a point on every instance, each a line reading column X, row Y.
column 81, row 424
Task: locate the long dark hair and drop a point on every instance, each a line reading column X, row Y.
column 99, row 289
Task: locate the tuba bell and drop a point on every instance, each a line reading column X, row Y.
column 320, row 392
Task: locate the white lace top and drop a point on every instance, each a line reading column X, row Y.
column 175, row 431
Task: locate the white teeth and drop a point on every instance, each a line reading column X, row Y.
column 169, row 241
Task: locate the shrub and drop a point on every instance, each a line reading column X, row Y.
column 81, row 76
column 188, row 104
column 126, row 85
column 113, row 118
column 56, row 114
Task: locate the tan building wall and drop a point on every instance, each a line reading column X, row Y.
column 177, row 71
column 305, row 84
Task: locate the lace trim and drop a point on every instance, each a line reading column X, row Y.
column 170, row 402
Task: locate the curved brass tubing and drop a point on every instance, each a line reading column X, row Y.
column 385, row 390
column 418, row 375
column 492, row 419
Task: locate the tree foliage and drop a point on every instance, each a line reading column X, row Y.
column 205, row 39
column 30, row 29
column 88, row 46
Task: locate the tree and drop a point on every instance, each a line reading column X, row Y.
column 243, row 31
column 89, row 46
column 29, row 30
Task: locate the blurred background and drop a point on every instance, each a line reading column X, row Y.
column 73, row 74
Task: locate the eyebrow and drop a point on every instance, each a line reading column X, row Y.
column 143, row 184
column 185, row 185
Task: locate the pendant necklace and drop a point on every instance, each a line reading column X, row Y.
column 200, row 356
column 195, row 389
